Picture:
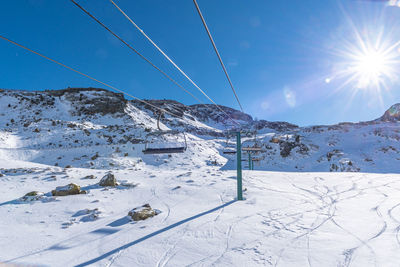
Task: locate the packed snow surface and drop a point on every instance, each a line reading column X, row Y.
column 286, row 219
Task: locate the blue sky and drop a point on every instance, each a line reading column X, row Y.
column 283, row 56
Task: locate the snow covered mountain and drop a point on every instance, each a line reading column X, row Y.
column 92, row 127
column 89, row 142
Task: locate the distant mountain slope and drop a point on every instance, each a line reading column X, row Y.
column 93, row 127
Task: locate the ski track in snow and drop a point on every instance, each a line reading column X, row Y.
column 294, row 213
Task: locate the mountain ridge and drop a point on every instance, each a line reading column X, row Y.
column 97, row 128
column 392, row 114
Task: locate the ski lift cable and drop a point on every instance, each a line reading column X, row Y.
column 134, row 50
column 90, row 77
column 168, row 58
column 216, row 51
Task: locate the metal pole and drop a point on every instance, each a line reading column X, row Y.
column 239, row 166
column 249, row 161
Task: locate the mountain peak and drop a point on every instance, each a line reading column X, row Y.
column 392, row 114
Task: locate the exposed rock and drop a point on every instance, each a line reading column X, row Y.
column 88, row 215
column 142, row 213
column 279, row 126
column 32, row 196
column 98, row 101
column 206, row 112
column 286, row 147
column 129, row 185
column 91, row 176
column 108, row 180
column 334, row 153
column 333, row 167
column 95, row 156
column 92, row 215
column 392, row 114
column 70, row 189
column 346, row 165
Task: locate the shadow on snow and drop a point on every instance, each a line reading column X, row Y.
column 111, row 252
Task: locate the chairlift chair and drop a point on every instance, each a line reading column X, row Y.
column 256, row 147
column 165, row 150
column 252, row 149
column 229, row 150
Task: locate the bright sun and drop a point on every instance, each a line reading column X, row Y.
column 367, row 60
column 370, row 68
column 367, row 65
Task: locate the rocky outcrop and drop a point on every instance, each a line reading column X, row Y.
column 108, row 180
column 279, row 126
column 209, row 112
column 32, row 196
column 392, row 114
column 70, row 189
column 344, row 165
column 142, row 213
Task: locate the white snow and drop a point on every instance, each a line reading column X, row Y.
column 296, row 218
column 286, row 219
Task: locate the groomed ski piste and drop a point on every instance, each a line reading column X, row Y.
column 332, row 199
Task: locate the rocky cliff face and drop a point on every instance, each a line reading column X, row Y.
column 210, row 113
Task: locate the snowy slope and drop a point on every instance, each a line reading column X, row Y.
column 287, row 219
column 302, row 215
column 70, row 127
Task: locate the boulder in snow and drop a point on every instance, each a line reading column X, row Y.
column 108, row 180
column 70, row 189
column 88, row 215
column 142, row 213
column 91, row 176
column 32, row 196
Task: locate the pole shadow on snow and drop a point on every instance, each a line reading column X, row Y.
column 111, row 252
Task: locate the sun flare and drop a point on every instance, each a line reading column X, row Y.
column 370, row 68
column 367, row 64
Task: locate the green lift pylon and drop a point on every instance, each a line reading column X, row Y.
column 239, row 166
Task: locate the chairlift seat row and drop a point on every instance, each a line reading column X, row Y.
column 244, row 149
column 251, row 149
column 229, row 152
column 165, row 150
